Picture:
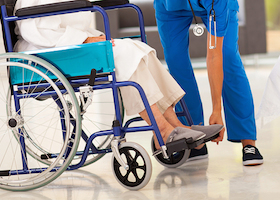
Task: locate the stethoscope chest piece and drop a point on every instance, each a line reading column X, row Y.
column 198, row 30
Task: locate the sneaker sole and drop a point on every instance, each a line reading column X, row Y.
column 252, row 162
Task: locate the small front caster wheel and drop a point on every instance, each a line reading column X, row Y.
column 175, row 160
column 139, row 164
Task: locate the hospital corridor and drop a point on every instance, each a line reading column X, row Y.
column 219, row 176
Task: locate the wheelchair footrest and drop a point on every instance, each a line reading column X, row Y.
column 182, row 144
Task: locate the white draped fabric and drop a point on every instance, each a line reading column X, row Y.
column 270, row 104
column 73, row 29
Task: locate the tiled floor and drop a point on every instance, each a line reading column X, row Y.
column 221, row 176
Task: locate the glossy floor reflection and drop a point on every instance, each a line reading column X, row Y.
column 221, row 176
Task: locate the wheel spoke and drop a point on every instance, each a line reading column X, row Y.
column 136, row 156
column 39, row 123
column 134, row 172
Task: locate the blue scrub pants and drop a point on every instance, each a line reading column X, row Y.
column 238, row 104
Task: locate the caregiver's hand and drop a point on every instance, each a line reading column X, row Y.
column 216, row 118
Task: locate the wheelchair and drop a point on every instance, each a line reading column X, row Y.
column 61, row 108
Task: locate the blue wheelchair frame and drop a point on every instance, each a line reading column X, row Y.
column 118, row 130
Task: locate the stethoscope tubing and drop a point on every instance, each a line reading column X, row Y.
column 199, row 30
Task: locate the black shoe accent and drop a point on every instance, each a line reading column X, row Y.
column 251, row 156
column 197, row 154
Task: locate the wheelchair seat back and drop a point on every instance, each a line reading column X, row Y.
column 10, row 4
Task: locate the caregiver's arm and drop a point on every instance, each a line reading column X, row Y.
column 215, row 74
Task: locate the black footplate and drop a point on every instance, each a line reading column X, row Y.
column 184, row 143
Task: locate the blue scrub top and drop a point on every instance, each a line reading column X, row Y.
column 175, row 5
column 233, row 5
column 202, row 9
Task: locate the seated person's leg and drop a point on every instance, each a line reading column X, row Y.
column 134, row 105
column 163, row 93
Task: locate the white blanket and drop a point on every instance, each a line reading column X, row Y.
column 270, row 104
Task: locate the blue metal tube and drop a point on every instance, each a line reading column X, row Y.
column 30, row 171
column 7, row 19
column 147, row 107
column 50, row 93
column 85, row 138
column 185, row 112
column 6, row 29
column 81, row 153
column 21, row 137
column 61, row 114
column 140, row 18
column 140, row 128
column 116, row 102
column 46, row 85
column 87, row 147
column 128, row 122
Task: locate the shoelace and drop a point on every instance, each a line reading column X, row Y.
column 250, row 150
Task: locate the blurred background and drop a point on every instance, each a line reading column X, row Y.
column 220, row 177
column 272, row 8
column 259, row 29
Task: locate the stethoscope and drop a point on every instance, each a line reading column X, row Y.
column 199, row 30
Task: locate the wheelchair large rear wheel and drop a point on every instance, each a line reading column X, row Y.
column 37, row 138
column 97, row 117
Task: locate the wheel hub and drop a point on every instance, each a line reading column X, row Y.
column 15, row 122
column 12, row 123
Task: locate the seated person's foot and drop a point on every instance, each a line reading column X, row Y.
column 180, row 132
column 251, row 156
column 210, row 130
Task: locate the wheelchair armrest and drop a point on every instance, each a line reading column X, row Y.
column 108, row 3
column 53, row 7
